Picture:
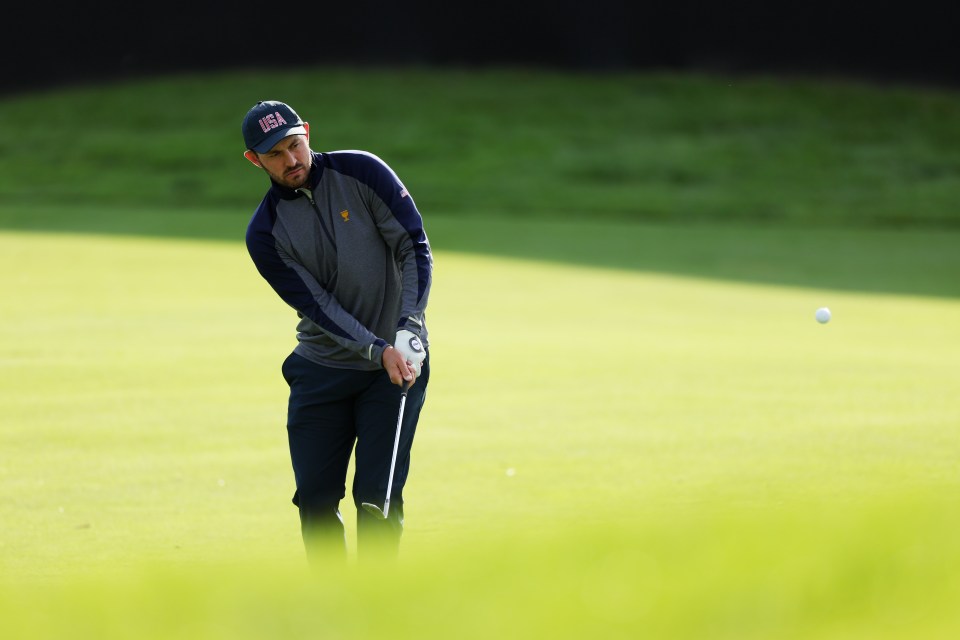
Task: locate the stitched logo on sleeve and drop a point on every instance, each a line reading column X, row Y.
column 345, row 215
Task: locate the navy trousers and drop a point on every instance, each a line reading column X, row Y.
column 331, row 410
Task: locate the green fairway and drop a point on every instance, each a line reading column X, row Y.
column 635, row 427
column 634, row 448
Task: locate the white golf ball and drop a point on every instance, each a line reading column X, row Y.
column 823, row 315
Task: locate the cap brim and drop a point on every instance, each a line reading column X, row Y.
column 269, row 143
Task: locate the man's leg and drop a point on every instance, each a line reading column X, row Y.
column 376, row 418
column 321, row 434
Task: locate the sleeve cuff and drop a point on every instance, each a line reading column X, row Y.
column 374, row 352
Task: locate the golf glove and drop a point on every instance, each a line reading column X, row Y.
column 410, row 347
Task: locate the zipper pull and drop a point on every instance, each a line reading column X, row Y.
column 307, row 193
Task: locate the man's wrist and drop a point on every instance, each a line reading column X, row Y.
column 375, row 351
column 411, row 324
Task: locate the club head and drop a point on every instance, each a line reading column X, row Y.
column 375, row 510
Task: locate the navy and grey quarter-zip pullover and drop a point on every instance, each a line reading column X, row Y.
column 348, row 251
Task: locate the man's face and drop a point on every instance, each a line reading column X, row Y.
column 288, row 162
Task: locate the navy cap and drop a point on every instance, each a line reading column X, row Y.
column 269, row 122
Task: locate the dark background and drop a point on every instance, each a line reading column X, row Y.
column 900, row 42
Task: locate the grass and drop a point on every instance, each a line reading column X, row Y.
column 795, row 580
column 639, row 147
column 716, row 465
column 658, row 440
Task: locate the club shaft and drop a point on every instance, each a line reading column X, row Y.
column 393, row 458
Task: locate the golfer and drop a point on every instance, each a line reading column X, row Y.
column 339, row 238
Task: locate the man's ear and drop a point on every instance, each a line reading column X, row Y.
column 250, row 155
column 306, row 127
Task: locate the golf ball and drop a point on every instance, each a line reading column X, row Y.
column 823, row 315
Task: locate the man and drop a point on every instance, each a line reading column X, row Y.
column 340, row 240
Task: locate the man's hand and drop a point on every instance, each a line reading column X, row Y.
column 397, row 368
column 409, row 345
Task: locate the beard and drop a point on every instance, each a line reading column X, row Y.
column 292, row 178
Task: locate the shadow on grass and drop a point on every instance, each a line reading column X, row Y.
column 916, row 262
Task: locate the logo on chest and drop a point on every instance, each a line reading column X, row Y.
column 345, row 215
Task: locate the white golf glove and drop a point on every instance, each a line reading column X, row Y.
column 410, row 347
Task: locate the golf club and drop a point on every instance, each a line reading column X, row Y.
column 372, row 508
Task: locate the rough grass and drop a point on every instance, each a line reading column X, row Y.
column 640, row 147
